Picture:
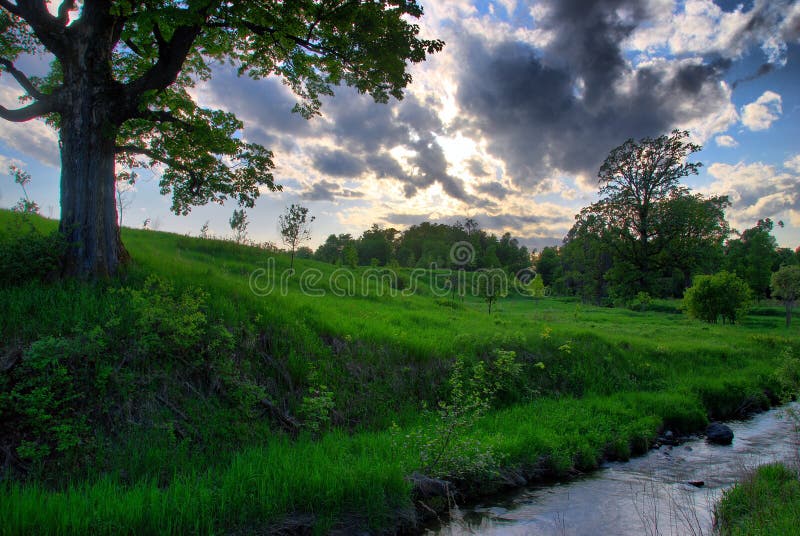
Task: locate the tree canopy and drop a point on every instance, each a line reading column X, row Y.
column 119, row 86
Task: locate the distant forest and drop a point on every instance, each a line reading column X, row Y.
column 424, row 245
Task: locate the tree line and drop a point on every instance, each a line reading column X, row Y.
column 424, row 245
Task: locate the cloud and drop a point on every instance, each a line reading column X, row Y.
column 32, row 138
column 793, row 163
column 701, row 27
column 324, row 190
column 338, row 163
column 494, row 189
column 726, row 141
column 760, row 114
column 756, row 190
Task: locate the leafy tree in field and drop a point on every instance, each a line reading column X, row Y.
column 785, row 284
column 723, row 295
column 118, row 91
column 634, row 179
column 753, row 256
column 294, row 227
column 239, row 223
column 490, row 285
column 647, row 233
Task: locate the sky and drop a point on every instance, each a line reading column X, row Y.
column 508, row 125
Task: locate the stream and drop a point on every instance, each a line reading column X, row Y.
column 648, row 495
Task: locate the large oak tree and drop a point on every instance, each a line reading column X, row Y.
column 118, row 91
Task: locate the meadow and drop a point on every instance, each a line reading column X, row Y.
column 211, row 408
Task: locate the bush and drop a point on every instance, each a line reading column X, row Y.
column 640, row 302
column 29, row 255
column 712, row 297
column 45, row 398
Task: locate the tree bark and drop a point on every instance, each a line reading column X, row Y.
column 89, row 124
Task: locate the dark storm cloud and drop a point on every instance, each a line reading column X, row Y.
column 565, row 107
column 359, row 125
column 328, row 191
column 493, row 189
column 587, row 41
column 338, row 163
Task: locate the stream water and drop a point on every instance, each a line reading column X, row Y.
column 649, row 495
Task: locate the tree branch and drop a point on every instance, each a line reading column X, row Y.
column 134, row 47
column 47, row 28
column 23, row 80
column 171, row 55
column 32, row 111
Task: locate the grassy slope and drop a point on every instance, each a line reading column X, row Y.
column 612, row 378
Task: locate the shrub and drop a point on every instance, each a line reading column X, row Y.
column 46, row 399
column 640, row 302
column 723, row 295
column 30, row 255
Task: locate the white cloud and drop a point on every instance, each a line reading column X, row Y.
column 760, row 115
column 793, row 163
column 33, row 138
column 756, row 190
column 726, row 141
column 702, row 27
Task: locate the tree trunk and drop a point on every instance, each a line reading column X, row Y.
column 87, row 139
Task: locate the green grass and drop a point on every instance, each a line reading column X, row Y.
column 766, row 503
column 609, row 380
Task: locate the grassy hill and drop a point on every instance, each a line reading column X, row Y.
column 205, row 390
